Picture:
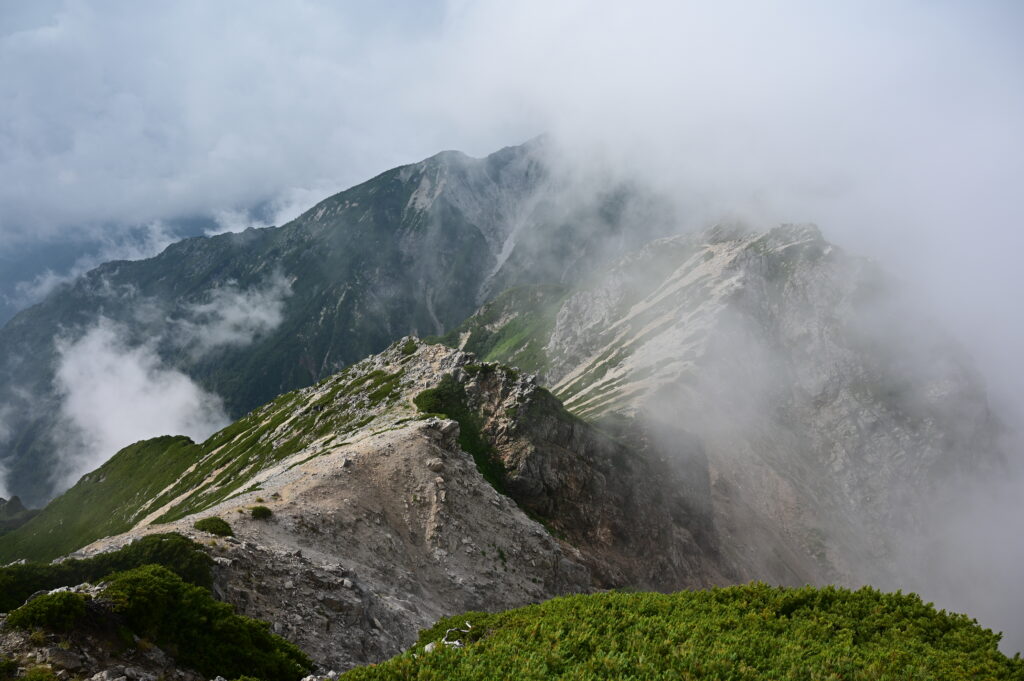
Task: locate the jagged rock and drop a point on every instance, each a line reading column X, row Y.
column 64, row 659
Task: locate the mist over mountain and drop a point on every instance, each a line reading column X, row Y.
column 742, row 405
column 239, row 318
column 746, row 310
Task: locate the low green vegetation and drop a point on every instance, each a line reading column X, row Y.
column 156, row 603
column 179, row 554
column 204, row 633
column 260, row 512
column 214, row 525
column 39, row 673
column 13, row 515
column 449, row 399
column 409, row 347
column 742, row 633
column 513, row 328
column 59, row 611
column 8, row 668
column 103, row 503
column 182, row 477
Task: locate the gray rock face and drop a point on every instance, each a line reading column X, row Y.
column 370, row 540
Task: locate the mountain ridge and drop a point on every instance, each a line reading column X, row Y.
column 412, row 251
column 722, row 405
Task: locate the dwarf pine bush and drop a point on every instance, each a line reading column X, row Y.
column 214, row 525
column 741, row 633
column 206, row 634
column 179, row 554
column 59, row 611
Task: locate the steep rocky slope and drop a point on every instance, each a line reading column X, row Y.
column 824, row 407
column 384, row 517
column 251, row 315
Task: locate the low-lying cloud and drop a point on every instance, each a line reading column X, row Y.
column 113, row 394
column 152, row 240
column 231, row 316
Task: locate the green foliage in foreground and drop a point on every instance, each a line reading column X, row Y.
column 740, row 633
column 179, row 554
column 202, row 632
column 57, row 612
column 214, row 525
column 39, row 673
column 8, row 668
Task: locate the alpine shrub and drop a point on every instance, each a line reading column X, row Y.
column 214, row 525
column 261, row 512
column 207, row 634
column 179, row 554
column 59, row 611
column 742, row 633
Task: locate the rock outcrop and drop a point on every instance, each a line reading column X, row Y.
column 379, row 529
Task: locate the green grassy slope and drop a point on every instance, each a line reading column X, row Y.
column 744, row 632
column 513, row 328
column 103, row 502
column 186, row 477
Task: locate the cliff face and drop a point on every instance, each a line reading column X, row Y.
column 811, row 409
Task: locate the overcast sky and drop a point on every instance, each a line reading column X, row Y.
column 896, row 126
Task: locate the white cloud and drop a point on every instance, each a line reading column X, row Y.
column 232, row 316
column 234, row 220
column 124, row 113
column 114, row 394
column 286, row 205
